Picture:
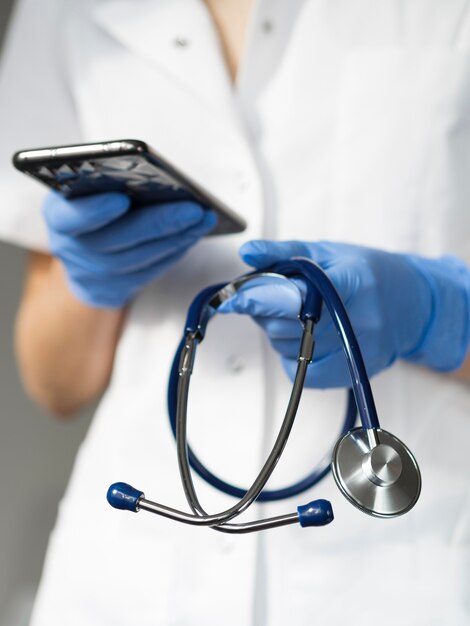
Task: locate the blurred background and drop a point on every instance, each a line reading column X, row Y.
column 36, row 452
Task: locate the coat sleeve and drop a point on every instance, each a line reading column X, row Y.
column 36, row 110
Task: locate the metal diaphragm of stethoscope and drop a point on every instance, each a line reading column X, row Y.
column 373, row 469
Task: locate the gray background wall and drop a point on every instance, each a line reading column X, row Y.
column 36, row 454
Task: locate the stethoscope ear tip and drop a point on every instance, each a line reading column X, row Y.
column 316, row 513
column 123, row 496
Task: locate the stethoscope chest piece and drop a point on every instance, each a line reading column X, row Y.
column 382, row 480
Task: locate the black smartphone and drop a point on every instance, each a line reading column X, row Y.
column 129, row 166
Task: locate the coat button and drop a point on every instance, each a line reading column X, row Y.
column 227, row 544
column 236, row 363
column 181, row 42
column 242, row 180
column 267, row 26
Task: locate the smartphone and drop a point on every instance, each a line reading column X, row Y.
column 129, row 166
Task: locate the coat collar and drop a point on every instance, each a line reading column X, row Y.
column 179, row 38
column 128, row 78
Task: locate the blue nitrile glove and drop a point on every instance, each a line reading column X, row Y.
column 401, row 306
column 110, row 252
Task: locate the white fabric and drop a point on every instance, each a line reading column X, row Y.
column 35, row 110
column 349, row 121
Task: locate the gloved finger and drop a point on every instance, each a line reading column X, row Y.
column 328, row 372
column 289, row 346
column 286, row 348
column 285, row 336
column 331, row 370
column 146, row 223
column 131, row 259
column 265, row 297
column 262, row 253
column 280, row 328
column 327, row 339
column 82, row 215
column 340, row 261
column 129, row 283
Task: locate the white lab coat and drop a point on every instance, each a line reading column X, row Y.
column 349, row 121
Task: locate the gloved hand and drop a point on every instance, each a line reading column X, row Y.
column 110, row 252
column 400, row 306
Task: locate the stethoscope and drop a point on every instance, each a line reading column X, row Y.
column 373, row 469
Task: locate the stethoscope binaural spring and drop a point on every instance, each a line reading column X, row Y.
column 373, row 469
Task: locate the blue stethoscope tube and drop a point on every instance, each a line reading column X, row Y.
column 319, row 290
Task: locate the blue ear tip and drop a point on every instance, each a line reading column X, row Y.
column 316, row 513
column 123, row 496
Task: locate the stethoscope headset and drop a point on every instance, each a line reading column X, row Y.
column 373, row 469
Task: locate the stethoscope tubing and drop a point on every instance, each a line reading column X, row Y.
column 267, row 495
column 360, row 383
column 260, row 481
column 319, row 290
column 197, row 319
column 373, row 469
column 322, row 291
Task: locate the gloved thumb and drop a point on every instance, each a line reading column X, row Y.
column 266, row 297
column 261, row 253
